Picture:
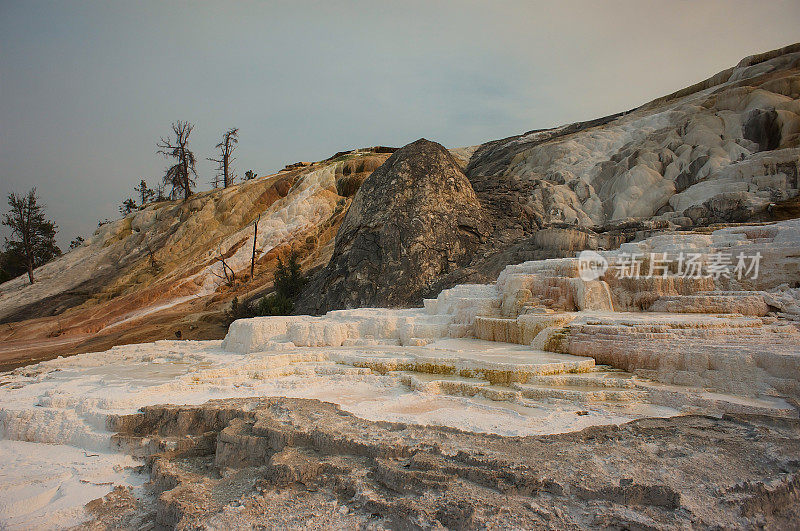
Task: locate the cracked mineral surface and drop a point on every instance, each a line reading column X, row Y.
column 293, row 462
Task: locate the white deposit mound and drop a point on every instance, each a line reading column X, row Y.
column 517, row 357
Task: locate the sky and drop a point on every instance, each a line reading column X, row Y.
column 87, row 88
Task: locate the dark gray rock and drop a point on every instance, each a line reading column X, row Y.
column 688, row 177
column 414, row 220
column 763, row 128
column 729, row 207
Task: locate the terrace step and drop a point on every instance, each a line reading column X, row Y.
column 582, row 393
column 499, row 363
column 602, row 378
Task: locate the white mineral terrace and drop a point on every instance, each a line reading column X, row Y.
column 539, row 351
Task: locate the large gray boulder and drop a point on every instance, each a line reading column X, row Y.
column 415, row 219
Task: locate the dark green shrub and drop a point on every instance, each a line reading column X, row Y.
column 274, row 304
column 289, row 282
column 238, row 310
column 289, row 279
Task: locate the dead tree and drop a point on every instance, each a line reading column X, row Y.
column 225, row 161
column 179, row 175
column 253, row 257
column 228, row 275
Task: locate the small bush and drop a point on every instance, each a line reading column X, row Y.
column 238, row 310
column 274, row 304
column 289, row 282
column 289, row 279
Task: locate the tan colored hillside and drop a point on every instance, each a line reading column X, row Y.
column 157, row 271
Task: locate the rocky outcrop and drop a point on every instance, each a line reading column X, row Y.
column 415, row 219
column 289, row 462
column 678, row 158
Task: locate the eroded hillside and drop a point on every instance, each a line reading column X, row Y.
column 158, row 270
column 726, row 150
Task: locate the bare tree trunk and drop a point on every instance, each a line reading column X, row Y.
column 187, row 188
column 26, row 242
column 230, row 279
column 225, row 169
column 226, row 148
column 253, row 257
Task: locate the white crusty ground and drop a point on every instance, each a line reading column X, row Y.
column 53, row 415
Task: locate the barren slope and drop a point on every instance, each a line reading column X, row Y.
column 157, row 271
column 725, row 150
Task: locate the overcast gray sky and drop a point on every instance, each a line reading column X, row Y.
column 86, row 88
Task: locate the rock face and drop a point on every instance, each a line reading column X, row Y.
column 293, row 463
column 415, row 219
column 722, row 150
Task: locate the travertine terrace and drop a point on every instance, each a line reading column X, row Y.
column 596, row 325
column 540, row 351
column 726, row 334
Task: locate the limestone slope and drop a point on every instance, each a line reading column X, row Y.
column 158, row 270
column 724, row 150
